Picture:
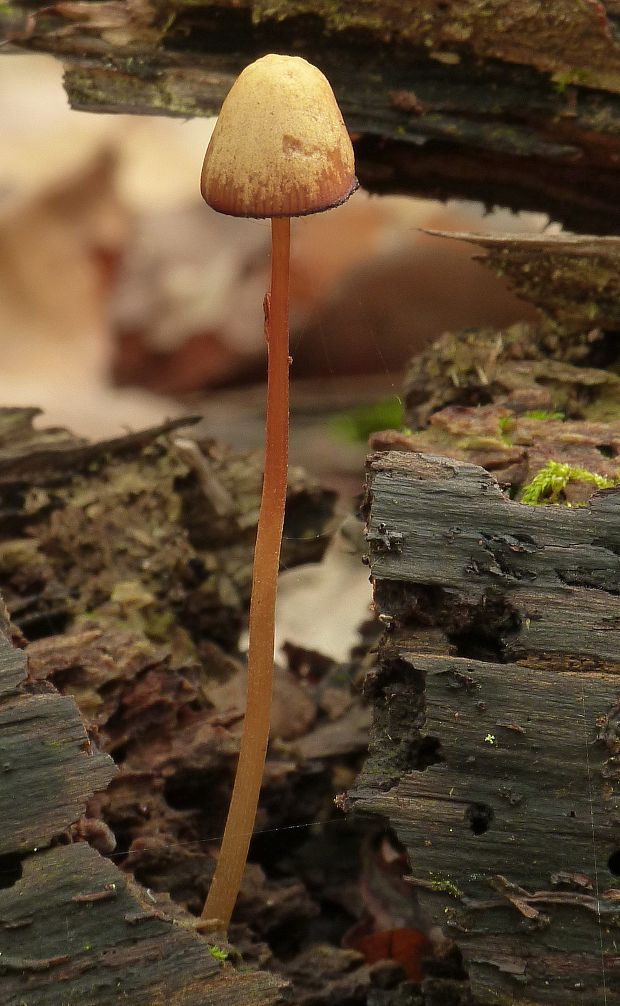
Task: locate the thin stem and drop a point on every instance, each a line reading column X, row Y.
column 242, row 811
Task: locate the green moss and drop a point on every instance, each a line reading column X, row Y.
column 218, row 952
column 565, row 78
column 338, row 15
column 445, row 885
column 550, row 482
column 358, row 424
column 543, row 415
column 506, row 426
column 158, row 625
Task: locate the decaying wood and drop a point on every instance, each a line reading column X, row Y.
column 516, row 447
column 495, row 754
column 76, row 929
column 563, row 369
column 505, row 101
column 125, row 528
column 125, row 566
column 497, row 698
column 72, row 926
column 32, row 727
column 44, row 750
column 549, row 575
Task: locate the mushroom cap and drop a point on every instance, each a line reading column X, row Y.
column 280, row 147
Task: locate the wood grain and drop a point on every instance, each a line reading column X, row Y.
column 75, row 929
column 553, row 571
column 497, row 723
column 513, row 105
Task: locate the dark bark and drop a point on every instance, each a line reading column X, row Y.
column 500, row 777
column 514, row 103
column 495, row 745
column 73, row 927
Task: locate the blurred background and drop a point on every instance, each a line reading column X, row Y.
column 124, row 299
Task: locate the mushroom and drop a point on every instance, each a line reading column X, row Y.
column 279, row 149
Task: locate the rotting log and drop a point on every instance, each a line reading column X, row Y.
column 506, row 101
column 77, row 929
column 549, row 575
column 125, row 566
column 566, row 367
column 496, row 701
column 497, row 723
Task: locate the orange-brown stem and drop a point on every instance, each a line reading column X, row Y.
column 242, row 811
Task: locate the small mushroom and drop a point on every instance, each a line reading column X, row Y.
column 279, row 149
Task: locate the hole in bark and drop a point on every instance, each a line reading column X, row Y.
column 476, row 645
column 10, row 870
column 614, row 863
column 479, row 816
column 429, row 753
column 480, row 631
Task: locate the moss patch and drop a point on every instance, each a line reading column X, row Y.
column 573, row 41
column 549, row 484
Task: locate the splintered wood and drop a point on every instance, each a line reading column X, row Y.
column 73, row 928
column 495, row 753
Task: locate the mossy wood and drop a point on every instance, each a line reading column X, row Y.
column 77, row 929
column 497, row 723
column 125, row 566
column 512, row 400
column 509, row 101
column 149, row 531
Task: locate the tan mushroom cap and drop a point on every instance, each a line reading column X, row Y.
column 280, row 147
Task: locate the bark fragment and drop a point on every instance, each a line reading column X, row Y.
column 494, row 753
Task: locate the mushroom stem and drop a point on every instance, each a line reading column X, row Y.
column 244, row 801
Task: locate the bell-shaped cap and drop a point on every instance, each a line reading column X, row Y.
column 280, row 147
